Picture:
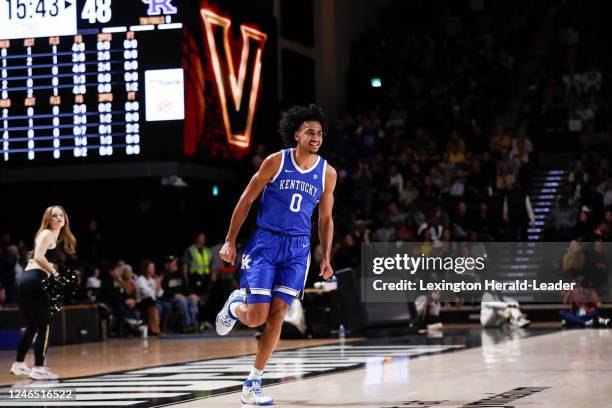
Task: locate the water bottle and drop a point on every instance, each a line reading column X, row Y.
column 341, row 332
column 144, row 331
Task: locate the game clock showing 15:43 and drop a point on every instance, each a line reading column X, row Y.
column 42, row 18
column 37, row 18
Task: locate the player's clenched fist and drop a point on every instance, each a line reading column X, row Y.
column 228, row 252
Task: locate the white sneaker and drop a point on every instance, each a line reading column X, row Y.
column 225, row 322
column 20, row 368
column 252, row 394
column 522, row 322
column 43, row 373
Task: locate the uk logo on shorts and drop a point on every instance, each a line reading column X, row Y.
column 246, row 262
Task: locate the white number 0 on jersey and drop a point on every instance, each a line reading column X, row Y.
column 296, row 201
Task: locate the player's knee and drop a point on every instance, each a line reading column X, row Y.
column 256, row 317
column 256, row 321
column 276, row 317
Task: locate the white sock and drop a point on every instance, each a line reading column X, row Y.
column 255, row 374
column 232, row 309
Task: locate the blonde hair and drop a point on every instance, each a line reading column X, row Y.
column 125, row 271
column 65, row 235
column 128, row 284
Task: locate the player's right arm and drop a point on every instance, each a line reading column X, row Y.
column 269, row 167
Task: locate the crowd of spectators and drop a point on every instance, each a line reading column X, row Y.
column 172, row 295
column 573, row 90
column 570, row 95
column 445, row 64
column 570, row 91
column 420, row 158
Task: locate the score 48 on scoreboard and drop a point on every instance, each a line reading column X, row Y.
column 72, row 75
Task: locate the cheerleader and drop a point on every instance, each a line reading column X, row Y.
column 33, row 300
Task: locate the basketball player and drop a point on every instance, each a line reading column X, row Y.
column 32, row 299
column 277, row 258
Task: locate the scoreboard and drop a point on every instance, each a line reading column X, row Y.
column 89, row 79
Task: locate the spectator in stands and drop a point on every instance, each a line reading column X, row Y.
column 583, row 230
column 458, row 188
column 362, row 232
column 521, row 153
column 362, row 185
column 406, row 232
column 597, row 268
column 130, row 295
column 601, row 232
column 461, row 222
column 386, row 232
column 128, row 281
column 477, row 181
column 591, row 80
column 120, row 305
column 573, row 260
column 396, row 215
column 578, row 176
column 456, row 148
column 197, row 265
column 583, row 311
column 176, row 290
column 94, row 282
column 149, row 295
column 605, row 189
column 563, row 219
column 500, row 142
column 396, row 181
column 408, row 194
column 517, row 212
column 93, row 285
column 347, row 253
column 432, row 229
column 440, row 178
column 483, row 222
column 10, row 269
column 79, row 294
column 505, row 177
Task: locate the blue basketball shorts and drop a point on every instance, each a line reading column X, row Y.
column 274, row 265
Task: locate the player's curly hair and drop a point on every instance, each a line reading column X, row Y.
column 292, row 119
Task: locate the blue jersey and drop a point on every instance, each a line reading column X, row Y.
column 289, row 199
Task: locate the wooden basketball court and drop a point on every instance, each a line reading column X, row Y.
column 464, row 367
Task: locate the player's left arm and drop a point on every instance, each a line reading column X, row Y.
column 326, row 222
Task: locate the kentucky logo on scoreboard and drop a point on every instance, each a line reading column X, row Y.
column 238, row 90
column 158, row 7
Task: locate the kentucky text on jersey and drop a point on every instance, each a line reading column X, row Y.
column 299, row 186
column 289, row 199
